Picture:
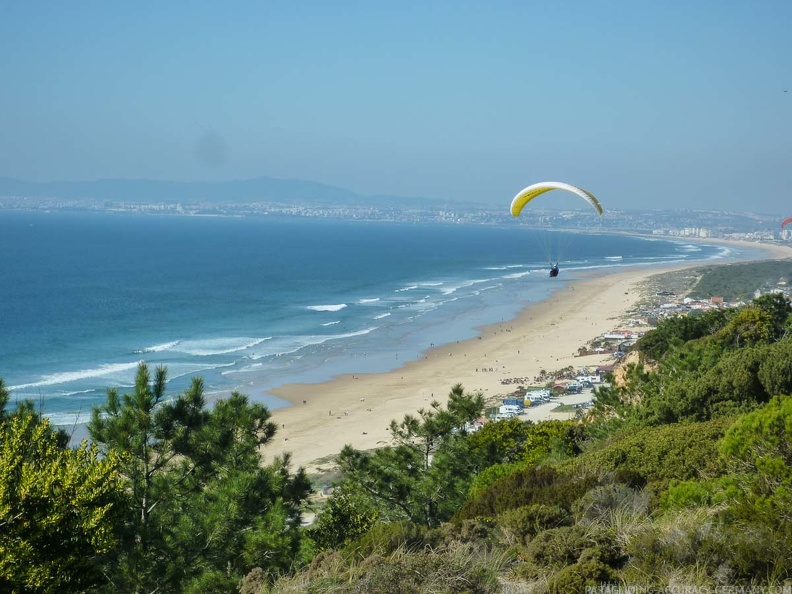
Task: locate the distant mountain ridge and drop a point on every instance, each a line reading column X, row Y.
column 244, row 190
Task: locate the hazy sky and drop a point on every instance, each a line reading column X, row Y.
column 648, row 104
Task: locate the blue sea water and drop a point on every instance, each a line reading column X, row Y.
column 253, row 303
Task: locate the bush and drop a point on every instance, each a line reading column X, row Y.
column 344, row 517
column 506, row 447
column 690, row 494
column 384, row 539
column 676, row 330
column 754, row 552
column 775, row 371
column 523, row 523
column 574, row 579
column 476, row 530
column 540, row 485
column 492, row 474
column 559, row 547
column 758, row 448
column 658, row 454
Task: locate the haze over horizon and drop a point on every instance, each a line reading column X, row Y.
column 670, row 105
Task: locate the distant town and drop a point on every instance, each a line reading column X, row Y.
column 664, row 223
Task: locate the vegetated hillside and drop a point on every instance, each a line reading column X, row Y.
column 742, row 281
column 679, row 477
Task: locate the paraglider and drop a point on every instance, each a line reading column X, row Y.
column 525, row 195
column 785, row 222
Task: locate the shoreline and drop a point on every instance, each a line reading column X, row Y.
column 357, row 409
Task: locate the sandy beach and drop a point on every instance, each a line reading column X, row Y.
column 357, row 409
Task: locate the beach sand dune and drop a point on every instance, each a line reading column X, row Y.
column 357, row 409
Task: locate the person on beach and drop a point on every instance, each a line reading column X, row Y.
column 554, row 270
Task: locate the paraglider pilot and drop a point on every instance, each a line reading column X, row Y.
column 554, row 270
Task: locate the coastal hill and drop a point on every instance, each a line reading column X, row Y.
column 146, row 191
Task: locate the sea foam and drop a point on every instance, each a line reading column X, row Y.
column 463, row 285
column 337, row 307
column 73, row 376
column 219, row 346
column 158, row 348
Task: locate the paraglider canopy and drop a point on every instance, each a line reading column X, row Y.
column 525, row 195
column 785, row 222
column 551, row 242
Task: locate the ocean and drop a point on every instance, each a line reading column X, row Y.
column 253, row 303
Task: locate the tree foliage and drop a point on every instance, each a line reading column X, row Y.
column 674, row 331
column 199, row 505
column 775, row 369
column 759, row 446
column 748, row 327
column 346, row 515
column 513, row 440
column 503, row 447
column 57, row 507
column 532, row 485
column 727, row 366
column 778, row 307
column 676, row 451
column 419, row 477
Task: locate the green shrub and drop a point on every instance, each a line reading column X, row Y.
column 523, row 523
column 384, row 539
column 758, row 448
column 559, row 547
column 717, row 552
column 681, row 494
column 680, row 451
column 541, row 485
column 211, row 582
column 775, row 371
column 676, row 330
column 476, row 530
column 345, row 516
column 574, row 579
column 754, row 553
column 630, row 477
column 492, row 474
column 505, row 447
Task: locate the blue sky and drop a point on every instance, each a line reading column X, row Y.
column 647, row 104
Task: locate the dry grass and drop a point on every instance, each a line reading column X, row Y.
column 457, row 568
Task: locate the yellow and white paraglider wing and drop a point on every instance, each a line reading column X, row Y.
column 532, row 191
